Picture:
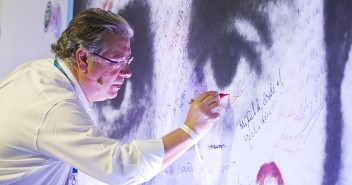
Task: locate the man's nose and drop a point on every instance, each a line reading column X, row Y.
column 126, row 71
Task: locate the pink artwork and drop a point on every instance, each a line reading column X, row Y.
column 269, row 173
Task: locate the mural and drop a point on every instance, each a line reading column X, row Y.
column 283, row 64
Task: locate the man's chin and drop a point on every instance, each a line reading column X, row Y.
column 112, row 95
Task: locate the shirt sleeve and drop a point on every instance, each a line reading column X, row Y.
column 69, row 134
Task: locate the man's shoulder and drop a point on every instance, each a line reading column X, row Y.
column 36, row 65
column 41, row 77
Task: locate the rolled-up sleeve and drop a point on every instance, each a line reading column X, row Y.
column 69, row 134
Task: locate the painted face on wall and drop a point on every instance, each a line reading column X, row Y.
column 106, row 71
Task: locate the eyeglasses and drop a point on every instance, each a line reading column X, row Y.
column 119, row 63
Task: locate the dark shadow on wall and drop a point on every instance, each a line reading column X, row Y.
column 138, row 14
column 212, row 36
column 338, row 39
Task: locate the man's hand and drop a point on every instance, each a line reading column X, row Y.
column 203, row 112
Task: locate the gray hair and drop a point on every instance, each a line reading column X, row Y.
column 87, row 29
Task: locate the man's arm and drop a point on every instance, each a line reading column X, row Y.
column 201, row 117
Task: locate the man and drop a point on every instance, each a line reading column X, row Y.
column 45, row 126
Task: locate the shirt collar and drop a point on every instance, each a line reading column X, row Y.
column 78, row 90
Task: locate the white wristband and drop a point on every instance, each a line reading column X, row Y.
column 189, row 131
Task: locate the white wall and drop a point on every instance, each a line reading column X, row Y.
column 22, row 32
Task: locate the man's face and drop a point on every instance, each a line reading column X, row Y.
column 102, row 78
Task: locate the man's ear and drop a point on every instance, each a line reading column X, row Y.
column 81, row 59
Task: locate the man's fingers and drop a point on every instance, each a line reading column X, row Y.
column 205, row 95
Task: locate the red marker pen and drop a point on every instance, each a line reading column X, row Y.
column 221, row 95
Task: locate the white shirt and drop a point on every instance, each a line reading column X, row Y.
column 45, row 129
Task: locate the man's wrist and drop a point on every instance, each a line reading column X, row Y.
column 190, row 132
